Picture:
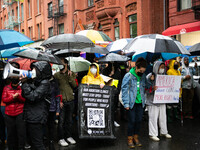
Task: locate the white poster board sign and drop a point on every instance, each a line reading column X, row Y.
column 168, row 89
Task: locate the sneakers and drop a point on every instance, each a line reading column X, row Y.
column 27, row 146
column 71, row 140
column 62, row 142
column 154, row 138
column 116, row 124
column 168, row 136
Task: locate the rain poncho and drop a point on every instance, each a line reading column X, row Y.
column 90, row 79
column 171, row 70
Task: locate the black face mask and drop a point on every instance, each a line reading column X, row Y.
column 176, row 67
column 15, row 81
column 139, row 74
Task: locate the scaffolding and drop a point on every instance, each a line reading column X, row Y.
column 12, row 20
column 55, row 13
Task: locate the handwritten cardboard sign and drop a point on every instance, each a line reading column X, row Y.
column 168, row 89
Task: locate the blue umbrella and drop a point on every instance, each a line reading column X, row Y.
column 11, row 38
column 8, row 53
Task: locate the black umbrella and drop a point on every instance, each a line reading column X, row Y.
column 114, row 57
column 195, row 49
column 155, row 43
column 39, row 55
column 68, row 41
column 96, row 49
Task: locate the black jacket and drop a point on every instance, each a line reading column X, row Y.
column 38, row 94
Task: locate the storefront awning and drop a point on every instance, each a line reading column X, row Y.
column 181, row 29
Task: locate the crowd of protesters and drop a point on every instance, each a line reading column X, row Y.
column 30, row 106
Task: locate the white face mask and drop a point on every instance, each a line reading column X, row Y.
column 93, row 70
column 53, row 72
column 33, row 74
column 161, row 71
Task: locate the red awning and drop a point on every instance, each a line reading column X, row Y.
column 181, row 29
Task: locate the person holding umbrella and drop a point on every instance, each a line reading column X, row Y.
column 36, row 91
column 133, row 97
column 156, row 112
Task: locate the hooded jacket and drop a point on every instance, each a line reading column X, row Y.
column 187, row 84
column 38, row 94
column 171, row 70
column 13, row 107
column 149, row 93
column 90, row 79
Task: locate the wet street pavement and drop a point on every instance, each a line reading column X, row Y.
column 185, row 137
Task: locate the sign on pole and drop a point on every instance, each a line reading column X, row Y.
column 95, row 112
column 168, row 89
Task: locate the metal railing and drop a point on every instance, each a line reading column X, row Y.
column 11, row 22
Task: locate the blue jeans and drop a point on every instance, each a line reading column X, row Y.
column 65, row 120
column 134, row 119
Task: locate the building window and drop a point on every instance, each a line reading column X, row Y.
column 30, row 32
column 61, row 10
column 38, row 6
column 116, row 26
column 29, row 8
column 22, row 12
column 90, row 3
column 50, row 31
column 100, row 27
column 13, row 13
column 17, row 12
column 50, row 10
column 184, row 4
column 38, row 30
column 133, row 25
column 1, row 23
column 61, row 28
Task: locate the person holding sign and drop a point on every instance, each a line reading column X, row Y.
column 133, row 97
column 156, row 112
column 93, row 76
column 188, row 86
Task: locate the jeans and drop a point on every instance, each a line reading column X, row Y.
column 65, row 120
column 36, row 135
column 16, row 131
column 134, row 119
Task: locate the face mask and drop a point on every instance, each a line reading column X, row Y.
column 53, row 72
column 15, row 81
column 161, row 71
column 33, row 74
column 176, row 67
column 93, row 70
column 139, row 74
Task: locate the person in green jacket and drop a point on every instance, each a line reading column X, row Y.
column 67, row 83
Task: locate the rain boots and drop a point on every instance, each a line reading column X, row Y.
column 130, row 142
column 136, row 141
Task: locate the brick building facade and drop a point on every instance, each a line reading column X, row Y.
column 40, row 19
column 184, row 21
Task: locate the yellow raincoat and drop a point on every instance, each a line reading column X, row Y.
column 90, row 79
column 174, row 72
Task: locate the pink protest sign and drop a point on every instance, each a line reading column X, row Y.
column 168, row 89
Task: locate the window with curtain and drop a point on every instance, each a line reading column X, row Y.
column 29, row 8
column 50, row 31
column 61, row 28
column 38, row 6
column 133, row 25
column 22, row 12
column 116, row 26
column 184, row 4
column 50, row 10
column 90, row 3
column 61, row 4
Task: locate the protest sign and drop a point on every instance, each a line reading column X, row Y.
column 168, row 89
column 95, row 112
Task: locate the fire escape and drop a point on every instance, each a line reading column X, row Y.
column 55, row 12
column 12, row 20
column 196, row 8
